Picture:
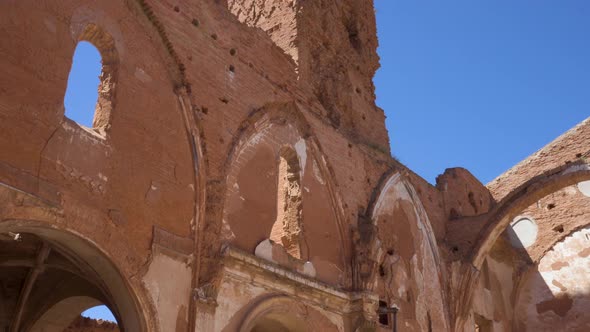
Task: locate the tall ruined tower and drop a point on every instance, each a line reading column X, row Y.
column 334, row 46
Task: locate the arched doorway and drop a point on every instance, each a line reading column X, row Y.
column 48, row 277
column 283, row 314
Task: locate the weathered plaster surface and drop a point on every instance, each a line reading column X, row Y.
column 555, row 294
column 168, row 281
column 409, row 273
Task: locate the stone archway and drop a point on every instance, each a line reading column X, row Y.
column 500, row 218
column 400, row 260
column 521, row 197
column 63, row 313
column 278, row 323
column 282, row 314
column 276, row 160
column 49, row 276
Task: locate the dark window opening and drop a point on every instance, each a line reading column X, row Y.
column 381, row 271
column 383, row 318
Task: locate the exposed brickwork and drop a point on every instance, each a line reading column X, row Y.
column 569, row 147
column 85, row 324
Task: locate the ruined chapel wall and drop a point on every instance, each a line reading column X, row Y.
column 225, row 101
column 141, row 174
column 408, row 269
column 114, row 188
column 553, row 294
column 555, row 216
column 338, row 58
column 253, row 194
column 522, row 283
column 334, row 46
column 143, row 170
column 277, row 18
column 111, row 184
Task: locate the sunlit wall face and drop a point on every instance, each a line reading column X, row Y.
column 555, row 296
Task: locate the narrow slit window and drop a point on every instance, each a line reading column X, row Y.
column 83, row 83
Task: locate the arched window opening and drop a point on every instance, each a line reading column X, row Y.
column 100, row 312
column 99, row 317
column 287, row 229
column 83, row 82
column 90, row 91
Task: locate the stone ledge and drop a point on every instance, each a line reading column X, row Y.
column 237, row 264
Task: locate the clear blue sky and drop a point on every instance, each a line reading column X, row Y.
column 82, row 91
column 99, row 312
column 480, row 84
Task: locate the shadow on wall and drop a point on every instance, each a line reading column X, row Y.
column 554, row 294
column 531, row 281
column 407, row 271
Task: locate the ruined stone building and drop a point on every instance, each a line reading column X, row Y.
column 238, row 177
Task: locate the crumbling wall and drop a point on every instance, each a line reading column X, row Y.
column 512, row 276
column 338, row 58
column 463, row 194
column 180, row 164
column 277, row 18
column 408, row 267
column 111, row 184
column 555, row 215
column 85, row 324
column 256, row 194
column 334, row 46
